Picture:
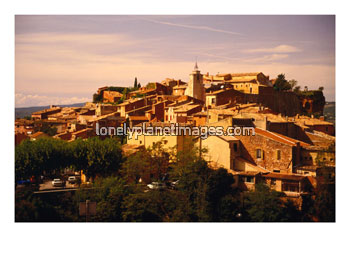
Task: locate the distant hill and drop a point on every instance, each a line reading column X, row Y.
column 329, row 111
column 27, row 111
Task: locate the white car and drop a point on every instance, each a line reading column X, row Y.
column 72, row 180
column 174, row 184
column 156, row 185
column 58, row 182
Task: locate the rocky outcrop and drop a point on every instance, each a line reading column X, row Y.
column 290, row 103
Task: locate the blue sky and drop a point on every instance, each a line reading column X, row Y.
column 64, row 59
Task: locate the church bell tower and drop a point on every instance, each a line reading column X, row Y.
column 195, row 85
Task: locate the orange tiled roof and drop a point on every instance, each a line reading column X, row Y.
column 280, row 138
column 294, row 177
column 138, row 118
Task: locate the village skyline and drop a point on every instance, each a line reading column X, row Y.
column 71, row 56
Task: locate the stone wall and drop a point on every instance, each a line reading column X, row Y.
column 268, row 160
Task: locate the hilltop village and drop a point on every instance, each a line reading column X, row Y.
column 292, row 146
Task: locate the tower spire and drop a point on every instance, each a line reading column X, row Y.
column 196, row 66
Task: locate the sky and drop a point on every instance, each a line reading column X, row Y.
column 65, row 59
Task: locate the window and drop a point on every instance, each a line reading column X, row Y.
column 235, row 147
column 213, row 101
column 247, row 179
column 140, row 142
column 258, row 153
column 290, row 186
column 273, row 181
column 276, row 171
column 251, row 90
column 278, row 154
column 326, row 128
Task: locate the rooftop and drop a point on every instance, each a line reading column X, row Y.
column 280, row 138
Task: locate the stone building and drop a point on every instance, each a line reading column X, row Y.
column 170, row 141
column 250, row 83
column 195, row 87
column 111, row 96
column 43, row 114
column 271, row 151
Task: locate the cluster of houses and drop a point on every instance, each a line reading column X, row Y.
column 289, row 153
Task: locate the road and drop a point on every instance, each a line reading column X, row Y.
column 47, row 185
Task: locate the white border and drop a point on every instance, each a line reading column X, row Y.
column 173, row 242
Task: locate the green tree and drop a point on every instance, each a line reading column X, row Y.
column 282, row 84
column 97, row 98
column 97, row 157
column 293, row 83
column 135, row 83
column 205, row 190
column 44, row 156
column 49, row 130
column 138, row 166
column 109, row 194
column 263, row 205
column 324, row 205
column 151, row 206
column 297, row 89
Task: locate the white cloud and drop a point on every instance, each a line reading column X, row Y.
column 73, row 70
column 267, row 58
column 277, row 49
column 23, row 100
column 193, row 27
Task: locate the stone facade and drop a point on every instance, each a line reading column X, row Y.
column 195, row 87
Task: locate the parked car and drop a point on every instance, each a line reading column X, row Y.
column 72, row 180
column 156, row 185
column 23, row 182
column 174, row 184
column 58, row 183
column 36, row 180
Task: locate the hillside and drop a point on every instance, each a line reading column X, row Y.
column 329, row 112
column 27, row 111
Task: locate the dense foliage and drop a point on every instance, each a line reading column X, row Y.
column 201, row 194
column 282, row 84
column 48, row 156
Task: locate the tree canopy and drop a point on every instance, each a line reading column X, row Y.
column 282, row 84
